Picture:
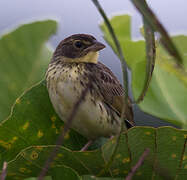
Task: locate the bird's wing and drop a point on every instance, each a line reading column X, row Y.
column 112, row 91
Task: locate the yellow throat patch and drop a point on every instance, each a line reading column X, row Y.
column 91, row 57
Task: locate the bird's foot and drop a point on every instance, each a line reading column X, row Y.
column 87, row 145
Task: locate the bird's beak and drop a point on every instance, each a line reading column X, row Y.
column 97, row 46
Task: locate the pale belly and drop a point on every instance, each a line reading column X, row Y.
column 92, row 119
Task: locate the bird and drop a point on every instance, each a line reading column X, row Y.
column 74, row 65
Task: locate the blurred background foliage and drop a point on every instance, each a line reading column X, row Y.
column 24, row 57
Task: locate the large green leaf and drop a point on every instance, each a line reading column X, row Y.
column 164, row 154
column 34, row 178
column 24, row 58
column 89, row 177
column 167, row 94
column 63, row 172
column 33, row 122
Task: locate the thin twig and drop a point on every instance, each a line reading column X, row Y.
column 125, row 80
column 138, row 164
column 64, row 131
column 4, row 171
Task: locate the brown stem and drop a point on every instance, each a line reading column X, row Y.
column 138, row 164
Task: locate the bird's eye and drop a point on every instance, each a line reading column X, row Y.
column 78, row 44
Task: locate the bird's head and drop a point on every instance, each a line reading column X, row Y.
column 78, row 48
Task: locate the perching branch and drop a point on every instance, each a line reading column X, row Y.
column 138, row 164
column 64, row 131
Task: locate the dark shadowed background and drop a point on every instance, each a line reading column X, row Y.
column 81, row 16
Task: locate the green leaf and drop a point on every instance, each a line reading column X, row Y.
column 27, row 139
column 34, row 178
column 30, row 161
column 89, row 177
column 167, row 95
column 62, row 172
column 24, row 58
column 167, row 150
column 33, row 122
